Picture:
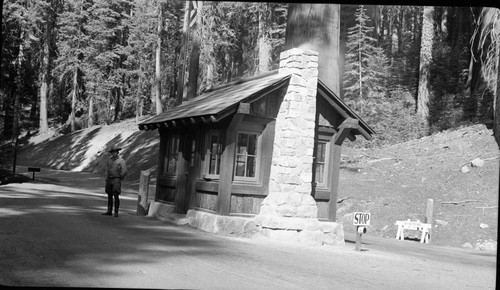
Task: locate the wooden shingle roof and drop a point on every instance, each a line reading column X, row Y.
column 216, row 104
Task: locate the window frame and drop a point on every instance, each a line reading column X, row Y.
column 258, row 155
column 325, row 163
column 170, row 155
column 325, row 139
column 208, row 153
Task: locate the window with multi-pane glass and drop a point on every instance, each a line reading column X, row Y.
column 170, row 165
column 214, row 152
column 320, row 163
column 246, row 155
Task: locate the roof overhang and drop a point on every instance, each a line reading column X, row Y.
column 355, row 123
column 215, row 105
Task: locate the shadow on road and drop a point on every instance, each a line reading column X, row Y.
column 48, row 230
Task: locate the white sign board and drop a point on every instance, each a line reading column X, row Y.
column 412, row 225
column 361, row 219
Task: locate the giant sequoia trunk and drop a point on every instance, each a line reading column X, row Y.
column 317, row 27
column 425, row 61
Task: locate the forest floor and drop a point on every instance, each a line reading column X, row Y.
column 392, row 182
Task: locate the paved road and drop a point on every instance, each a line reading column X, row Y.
column 52, row 234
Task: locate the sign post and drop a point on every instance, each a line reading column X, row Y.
column 33, row 169
column 361, row 220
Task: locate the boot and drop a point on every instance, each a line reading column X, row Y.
column 117, row 205
column 110, row 205
column 108, row 212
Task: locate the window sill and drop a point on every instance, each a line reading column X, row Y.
column 209, row 178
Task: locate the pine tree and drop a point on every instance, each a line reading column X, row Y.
column 23, row 25
column 366, row 68
column 108, row 32
column 142, row 43
column 73, row 50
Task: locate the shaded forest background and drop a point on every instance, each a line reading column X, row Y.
column 67, row 65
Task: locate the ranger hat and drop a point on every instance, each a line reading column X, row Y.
column 114, row 148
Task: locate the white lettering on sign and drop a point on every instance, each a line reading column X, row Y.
column 361, row 219
column 412, row 225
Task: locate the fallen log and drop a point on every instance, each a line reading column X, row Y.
column 459, row 202
column 381, row 159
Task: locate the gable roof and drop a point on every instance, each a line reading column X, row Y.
column 331, row 98
column 218, row 103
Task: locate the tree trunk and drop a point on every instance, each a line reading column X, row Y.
column 1, row 42
column 401, row 26
column 444, row 23
column 496, row 101
column 73, row 99
column 182, row 56
column 90, row 123
column 138, row 98
column 317, row 27
column 496, row 91
column 45, row 79
column 194, row 63
column 157, row 93
column 210, row 72
column 16, row 91
column 264, row 46
column 425, row 61
column 194, row 59
column 117, row 92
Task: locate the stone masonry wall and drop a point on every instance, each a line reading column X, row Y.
column 289, row 212
column 291, row 169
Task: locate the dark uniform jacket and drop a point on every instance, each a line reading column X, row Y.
column 117, row 169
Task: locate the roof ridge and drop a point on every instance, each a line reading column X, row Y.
column 240, row 80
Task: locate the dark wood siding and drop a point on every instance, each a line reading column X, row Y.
column 166, row 189
column 267, row 106
column 205, row 200
column 245, row 204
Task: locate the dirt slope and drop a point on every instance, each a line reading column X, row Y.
column 87, row 150
column 393, row 183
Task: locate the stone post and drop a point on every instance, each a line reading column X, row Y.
column 142, row 197
column 289, row 212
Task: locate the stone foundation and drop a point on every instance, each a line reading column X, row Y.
column 213, row 223
column 290, row 230
column 166, row 212
column 307, row 231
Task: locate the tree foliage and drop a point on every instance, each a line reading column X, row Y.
column 104, row 60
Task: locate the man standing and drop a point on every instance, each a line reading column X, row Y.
column 116, row 172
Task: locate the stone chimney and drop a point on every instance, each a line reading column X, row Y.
column 289, row 212
column 291, row 169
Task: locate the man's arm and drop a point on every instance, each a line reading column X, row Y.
column 124, row 169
